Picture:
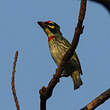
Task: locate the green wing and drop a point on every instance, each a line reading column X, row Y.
column 75, row 57
column 67, row 45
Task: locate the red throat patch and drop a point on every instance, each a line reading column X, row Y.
column 50, row 38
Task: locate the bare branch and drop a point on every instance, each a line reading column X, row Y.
column 46, row 92
column 98, row 101
column 13, row 81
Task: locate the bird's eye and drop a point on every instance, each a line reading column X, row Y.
column 51, row 26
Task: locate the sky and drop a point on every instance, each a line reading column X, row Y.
column 35, row 67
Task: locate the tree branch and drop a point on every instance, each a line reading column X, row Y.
column 98, row 101
column 13, row 81
column 105, row 3
column 46, row 92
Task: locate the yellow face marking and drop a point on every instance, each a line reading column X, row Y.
column 49, row 33
column 47, row 30
column 51, row 26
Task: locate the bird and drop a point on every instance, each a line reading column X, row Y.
column 58, row 46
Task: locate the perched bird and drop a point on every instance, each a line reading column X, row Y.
column 58, row 46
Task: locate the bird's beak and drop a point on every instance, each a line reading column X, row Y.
column 42, row 24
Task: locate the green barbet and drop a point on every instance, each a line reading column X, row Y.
column 58, row 46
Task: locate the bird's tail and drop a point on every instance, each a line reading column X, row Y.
column 76, row 79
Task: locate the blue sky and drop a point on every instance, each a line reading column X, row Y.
column 35, row 67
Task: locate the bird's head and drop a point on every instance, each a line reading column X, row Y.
column 50, row 28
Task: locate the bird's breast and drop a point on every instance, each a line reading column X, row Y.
column 57, row 52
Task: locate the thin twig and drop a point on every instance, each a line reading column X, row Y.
column 46, row 92
column 13, row 81
column 98, row 101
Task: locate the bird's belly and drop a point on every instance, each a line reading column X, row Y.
column 57, row 54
